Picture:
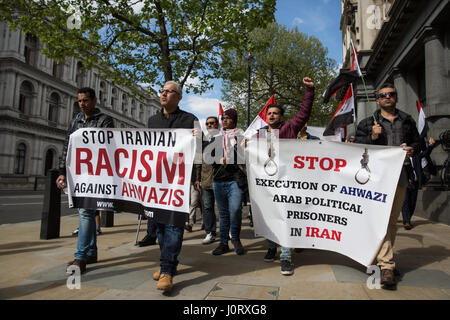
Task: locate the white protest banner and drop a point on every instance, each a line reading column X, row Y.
column 135, row 170
column 323, row 195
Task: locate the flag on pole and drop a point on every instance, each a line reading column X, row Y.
column 220, row 116
column 344, row 114
column 422, row 126
column 344, row 78
column 355, row 63
column 259, row 121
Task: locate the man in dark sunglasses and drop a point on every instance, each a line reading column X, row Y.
column 390, row 126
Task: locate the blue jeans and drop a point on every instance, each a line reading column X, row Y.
column 285, row 252
column 229, row 201
column 209, row 214
column 87, row 237
column 170, row 238
column 151, row 228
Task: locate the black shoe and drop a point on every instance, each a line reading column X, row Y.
column 188, row 227
column 238, row 247
column 407, row 226
column 221, row 249
column 287, row 268
column 388, row 277
column 81, row 264
column 270, row 255
column 147, row 241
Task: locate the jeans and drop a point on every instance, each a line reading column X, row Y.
column 87, row 237
column 151, row 228
column 409, row 205
column 285, row 252
column 170, row 238
column 229, row 201
column 209, row 214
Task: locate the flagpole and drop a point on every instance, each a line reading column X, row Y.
column 362, row 79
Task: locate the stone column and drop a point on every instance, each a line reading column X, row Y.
column 437, row 85
column 402, row 90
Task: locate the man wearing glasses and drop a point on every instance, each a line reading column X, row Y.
column 206, row 185
column 390, row 127
column 170, row 237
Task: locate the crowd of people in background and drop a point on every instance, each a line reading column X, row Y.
column 224, row 183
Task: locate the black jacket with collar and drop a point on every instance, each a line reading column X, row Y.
column 409, row 131
column 97, row 120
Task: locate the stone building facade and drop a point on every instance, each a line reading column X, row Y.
column 406, row 42
column 38, row 98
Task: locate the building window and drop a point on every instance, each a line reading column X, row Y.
column 53, row 107
column 80, row 75
column 113, row 98
column 31, row 49
column 20, row 159
column 25, row 97
column 58, row 68
column 124, row 103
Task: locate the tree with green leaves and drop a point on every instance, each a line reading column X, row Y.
column 279, row 60
column 148, row 41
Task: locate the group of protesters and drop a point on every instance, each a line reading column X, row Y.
column 225, row 183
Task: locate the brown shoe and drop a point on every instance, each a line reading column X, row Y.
column 157, row 274
column 81, row 264
column 165, row 282
column 387, row 277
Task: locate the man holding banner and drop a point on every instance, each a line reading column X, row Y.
column 390, row 127
column 170, row 236
column 287, row 130
column 89, row 117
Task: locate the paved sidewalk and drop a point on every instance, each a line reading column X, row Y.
column 35, row 269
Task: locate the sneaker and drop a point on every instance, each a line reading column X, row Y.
column 221, row 249
column 287, row 268
column 270, row 255
column 75, row 232
column 99, row 231
column 77, row 263
column 238, row 248
column 209, row 239
column 165, row 282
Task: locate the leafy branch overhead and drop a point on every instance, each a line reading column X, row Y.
column 279, row 60
column 142, row 41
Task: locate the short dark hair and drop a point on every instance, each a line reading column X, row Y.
column 212, row 117
column 387, row 85
column 87, row 90
column 275, row 105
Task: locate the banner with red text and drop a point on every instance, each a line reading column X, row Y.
column 134, row 170
column 323, row 195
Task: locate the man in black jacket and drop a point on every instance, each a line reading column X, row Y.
column 89, row 117
column 390, row 127
column 170, row 237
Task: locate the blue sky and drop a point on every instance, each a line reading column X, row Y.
column 319, row 18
